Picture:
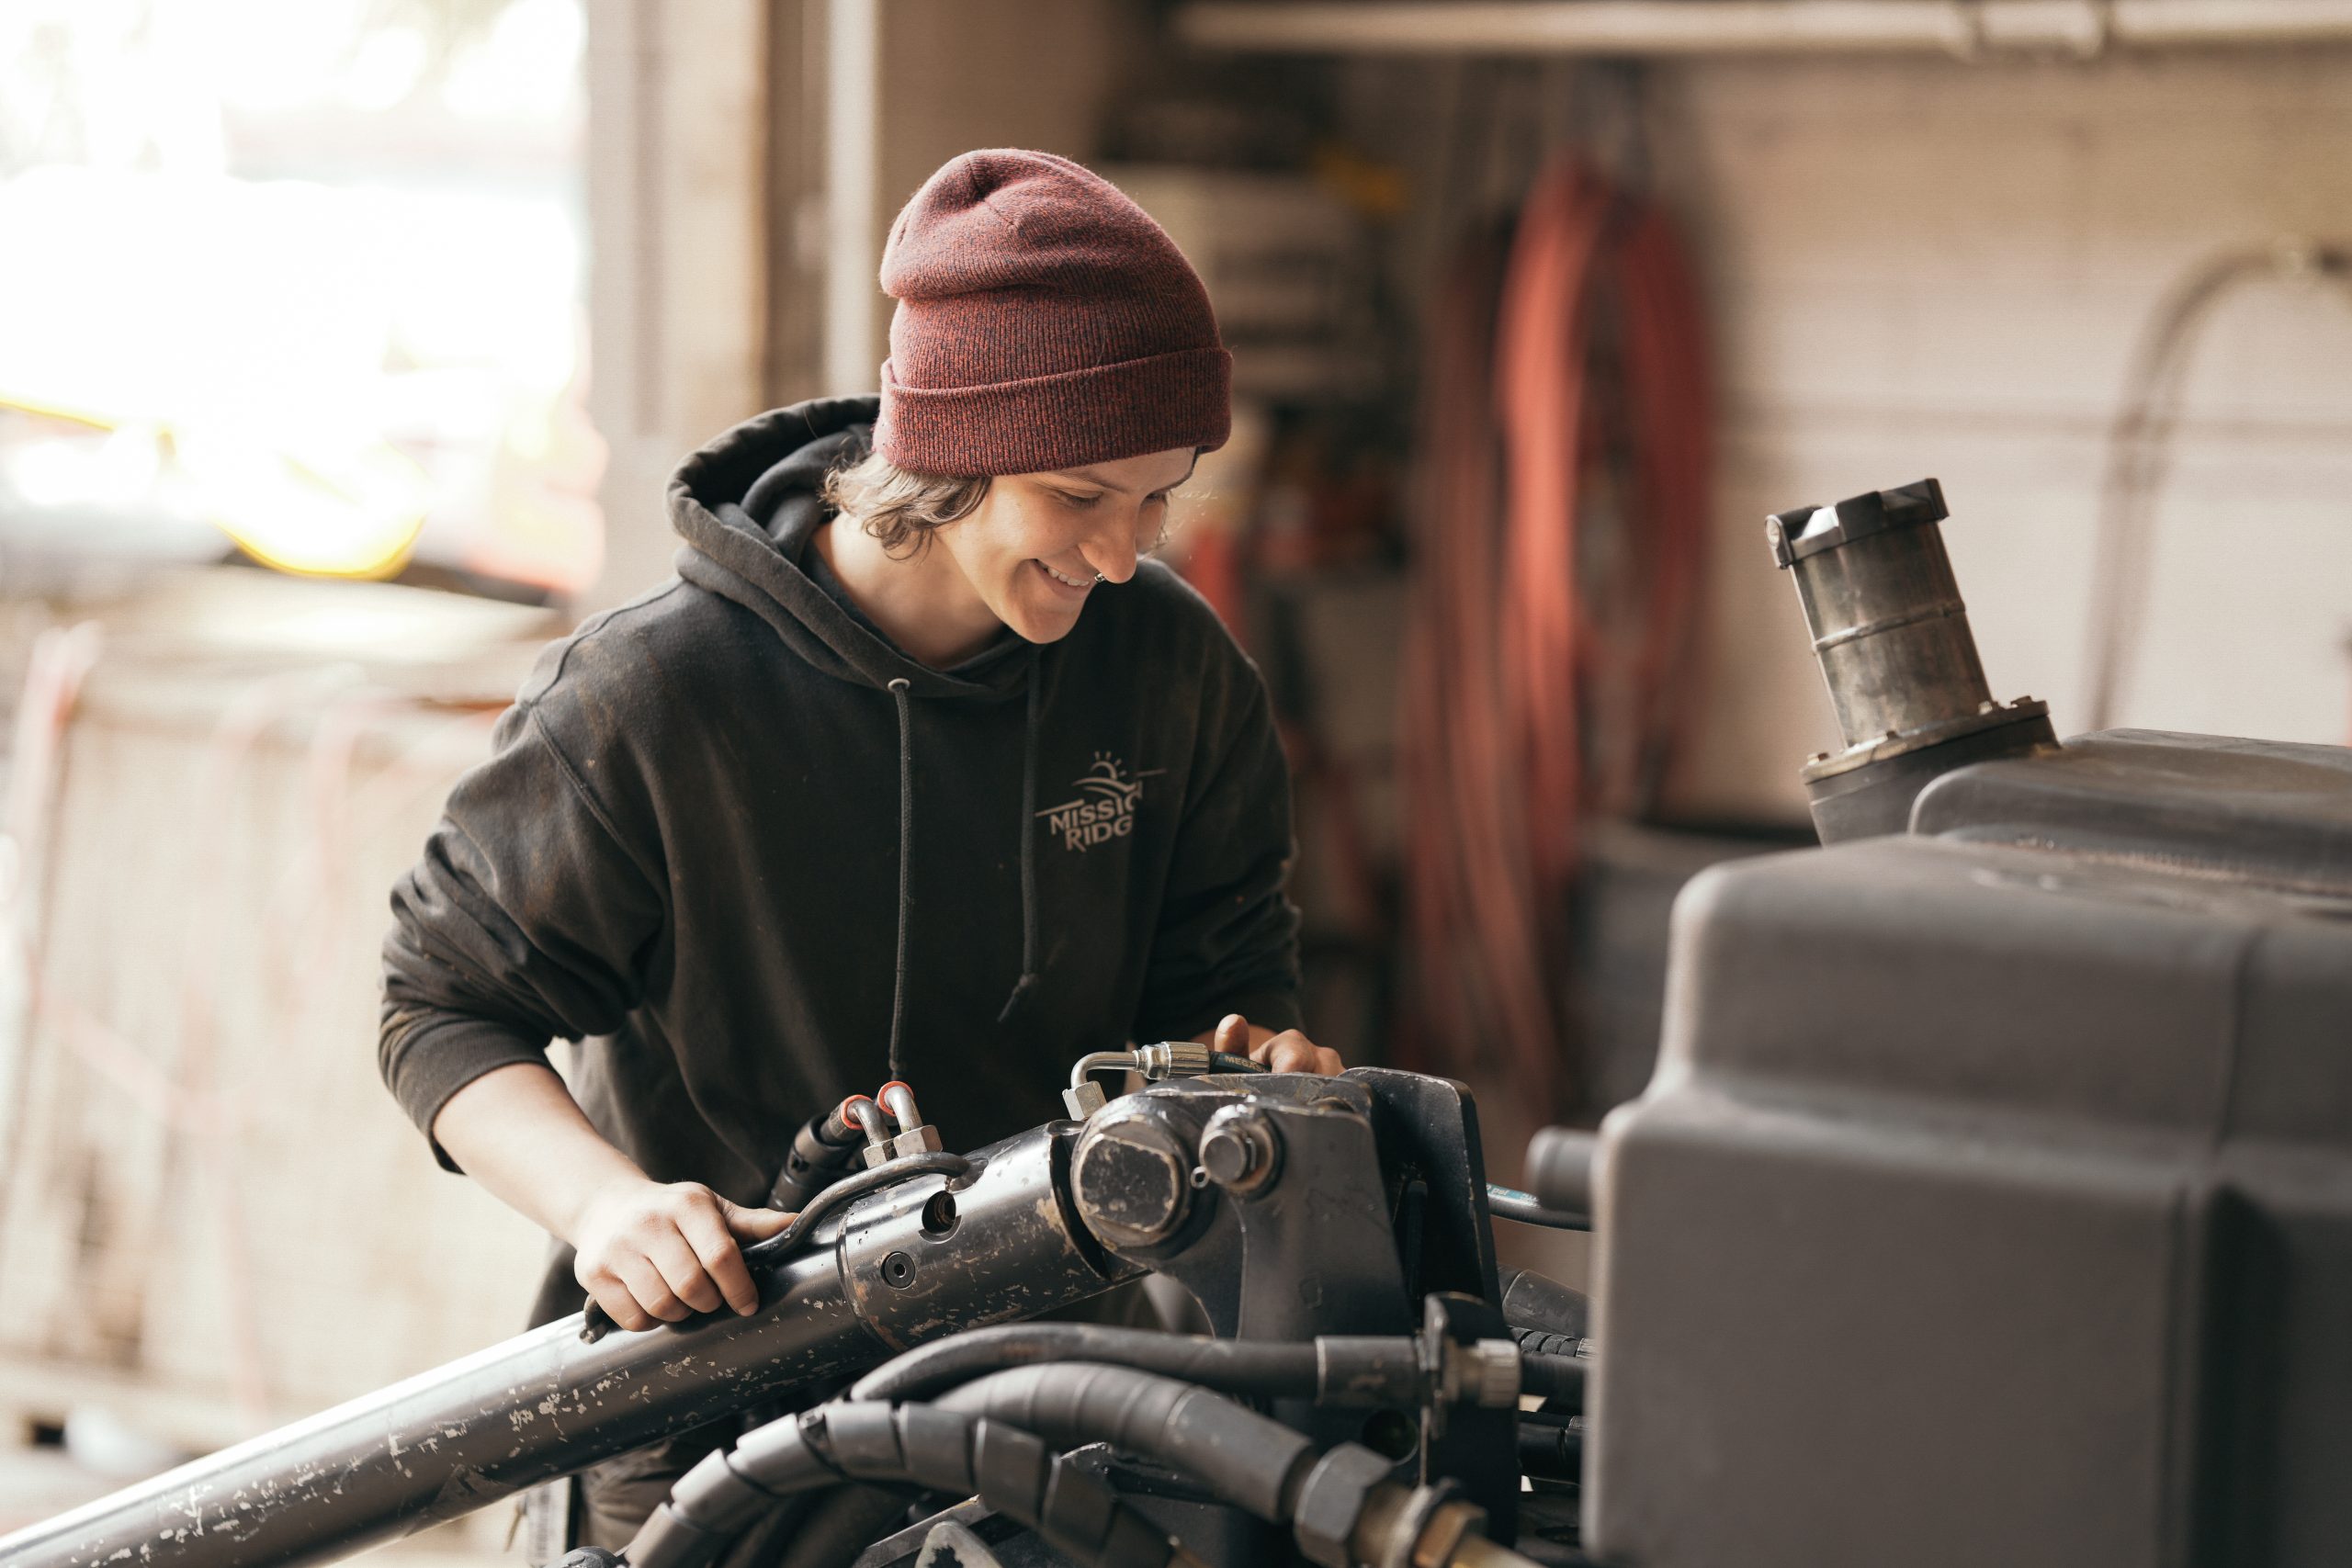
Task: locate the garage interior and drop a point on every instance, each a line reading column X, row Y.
column 2021, row 1112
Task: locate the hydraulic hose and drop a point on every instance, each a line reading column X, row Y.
column 1510, row 1203
column 1252, row 1461
column 1532, row 1301
column 941, row 1450
column 1554, row 1377
column 1333, row 1371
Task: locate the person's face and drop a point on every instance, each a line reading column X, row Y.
column 1035, row 547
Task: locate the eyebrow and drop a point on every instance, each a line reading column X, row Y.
column 1091, row 477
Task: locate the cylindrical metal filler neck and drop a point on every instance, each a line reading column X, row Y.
column 1892, row 636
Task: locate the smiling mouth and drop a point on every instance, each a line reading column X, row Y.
column 1078, row 582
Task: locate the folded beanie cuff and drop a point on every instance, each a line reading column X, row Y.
column 1097, row 414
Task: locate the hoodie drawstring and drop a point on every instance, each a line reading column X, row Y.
column 1028, row 842
column 899, row 689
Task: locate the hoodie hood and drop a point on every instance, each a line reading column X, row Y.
column 747, row 506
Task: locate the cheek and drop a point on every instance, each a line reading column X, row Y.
column 1019, row 534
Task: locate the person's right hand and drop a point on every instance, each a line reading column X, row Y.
column 649, row 1251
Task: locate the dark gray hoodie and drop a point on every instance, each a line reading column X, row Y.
column 686, row 850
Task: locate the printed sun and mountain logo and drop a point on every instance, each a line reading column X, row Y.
column 1105, row 806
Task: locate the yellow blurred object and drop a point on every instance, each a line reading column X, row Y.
column 336, row 511
column 1373, row 189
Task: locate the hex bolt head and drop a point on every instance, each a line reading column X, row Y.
column 1332, row 1502
column 1129, row 1177
column 1240, row 1150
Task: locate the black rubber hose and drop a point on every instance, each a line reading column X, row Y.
column 1534, row 1301
column 1250, row 1460
column 1552, row 1450
column 822, row 1152
column 1554, row 1377
column 1253, row 1368
column 1009, row 1469
column 842, row 1524
column 595, row 1323
column 1510, row 1203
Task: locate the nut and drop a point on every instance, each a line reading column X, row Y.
column 1331, row 1499
column 1240, row 1150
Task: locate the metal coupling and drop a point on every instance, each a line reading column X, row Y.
column 1174, row 1059
column 1421, row 1527
column 915, row 1135
column 870, row 1120
column 1485, row 1373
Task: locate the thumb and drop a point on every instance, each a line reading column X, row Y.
column 1232, row 1036
column 753, row 1225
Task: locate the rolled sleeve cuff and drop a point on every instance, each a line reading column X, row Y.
column 441, row 1055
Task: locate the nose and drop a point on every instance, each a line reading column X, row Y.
column 1111, row 550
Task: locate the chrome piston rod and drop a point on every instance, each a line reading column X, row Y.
column 896, row 1269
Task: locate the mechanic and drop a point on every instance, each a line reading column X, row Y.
column 916, row 771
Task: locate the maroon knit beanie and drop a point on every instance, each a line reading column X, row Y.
column 1044, row 321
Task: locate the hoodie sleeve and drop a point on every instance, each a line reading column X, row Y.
column 529, row 916
column 1227, row 935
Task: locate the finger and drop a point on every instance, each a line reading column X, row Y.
column 708, row 1232
column 1327, row 1062
column 1232, row 1036
column 650, row 1290
column 754, row 1225
column 674, row 1256
column 1290, row 1051
column 607, row 1289
column 619, row 1305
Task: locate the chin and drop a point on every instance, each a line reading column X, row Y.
column 1039, row 624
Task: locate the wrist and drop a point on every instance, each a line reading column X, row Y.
column 587, row 1198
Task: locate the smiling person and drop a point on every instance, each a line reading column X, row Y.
column 918, row 770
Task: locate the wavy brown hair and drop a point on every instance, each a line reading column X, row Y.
column 898, row 506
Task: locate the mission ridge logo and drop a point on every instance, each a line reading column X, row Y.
column 1105, row 807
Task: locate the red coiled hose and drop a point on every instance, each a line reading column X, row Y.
column 1563, row 498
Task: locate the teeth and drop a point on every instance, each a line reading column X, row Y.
column 1073, row 581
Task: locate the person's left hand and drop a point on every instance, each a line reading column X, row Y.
column 1289, row 1052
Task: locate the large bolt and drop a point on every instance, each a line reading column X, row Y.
column 1239, row 1149
column 1130, row 1179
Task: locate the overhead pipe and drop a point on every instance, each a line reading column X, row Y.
column 1964, row 27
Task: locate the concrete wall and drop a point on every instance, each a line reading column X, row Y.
column 677, row 170
column 1929, row 267
column 957, row 75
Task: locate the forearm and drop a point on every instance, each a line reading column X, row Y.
column 519, row 1131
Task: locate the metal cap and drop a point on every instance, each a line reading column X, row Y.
column 1809, row 530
